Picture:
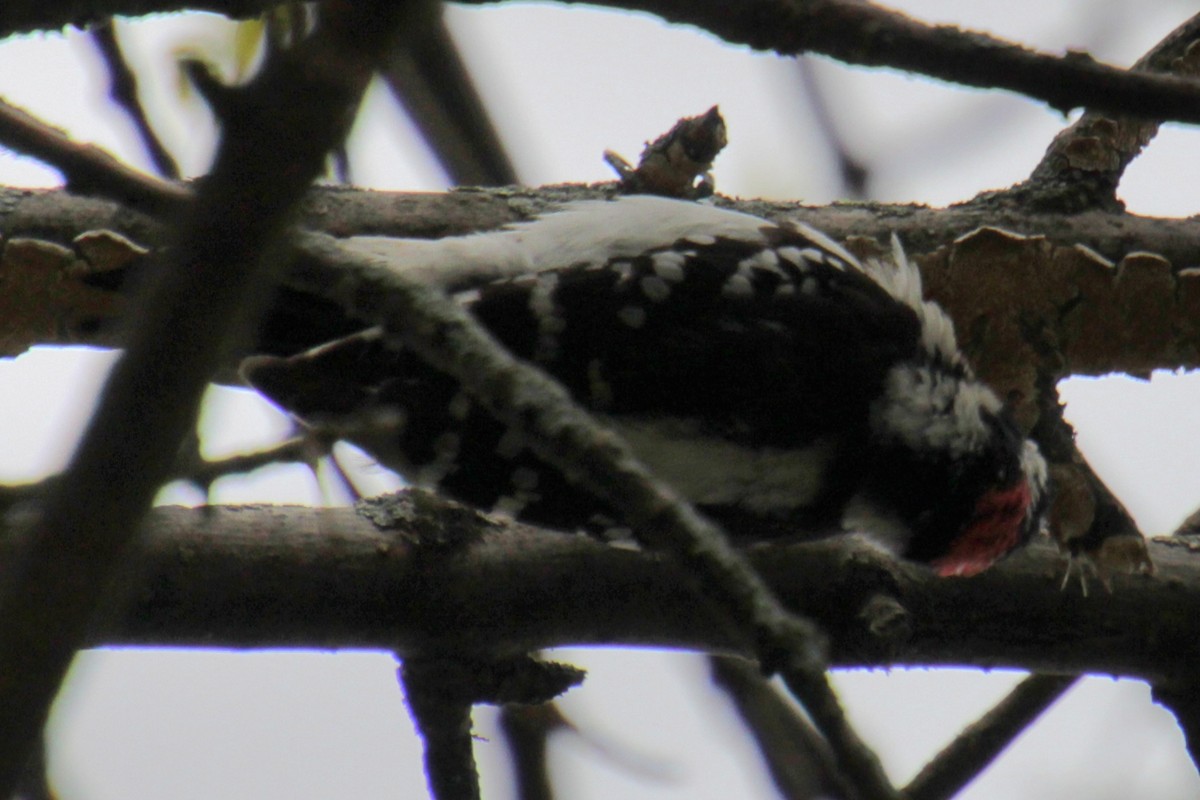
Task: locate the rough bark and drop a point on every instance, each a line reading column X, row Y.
column 282, row 576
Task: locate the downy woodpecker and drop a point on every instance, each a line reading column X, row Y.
column 779, row 383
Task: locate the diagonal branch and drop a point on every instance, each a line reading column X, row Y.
column 71, row 565
column 863, row 33
column 123, row 89
column 853, row 173
column 974, row 749
column 428, row 77
column 796, row 754
column 86, row 168
column 1084, row 164
column 848, row 30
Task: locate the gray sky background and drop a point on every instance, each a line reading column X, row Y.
column 564, row 85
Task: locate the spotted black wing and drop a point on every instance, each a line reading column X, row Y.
column 742, row 373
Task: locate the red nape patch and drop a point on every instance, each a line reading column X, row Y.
column 994, row 530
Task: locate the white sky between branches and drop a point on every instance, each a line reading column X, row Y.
column 565, row 85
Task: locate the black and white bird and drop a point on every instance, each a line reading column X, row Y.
column 779, row 383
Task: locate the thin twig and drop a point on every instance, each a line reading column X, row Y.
column 86, row 168
column 975, row 748
column 848, row 30
column 795, row 753
column 212, row 280
column 863, row 33
column 853, row 173
column 123, row 89
column 428, row 78
column 305, row 449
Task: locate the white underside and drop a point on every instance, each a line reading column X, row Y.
column 885, row 531
column 712, row 471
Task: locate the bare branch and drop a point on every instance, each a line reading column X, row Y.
column 795, row 753
column 1084, row 164
column 1058, row 281
column 428, row 77
column 123, row 89
column 287, row 576
column 71, row 563
column 864, row 33
column 443, row 719
column 853, row 32
column 980, row 743
column 60, row 216
column 86, row 169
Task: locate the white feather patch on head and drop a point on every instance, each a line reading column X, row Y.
column 902, row 280
column 931, row 411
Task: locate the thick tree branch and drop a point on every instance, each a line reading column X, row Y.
column 1068, row 277
column 287, row 576
column 60, row 216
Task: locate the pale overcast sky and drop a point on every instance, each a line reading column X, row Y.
column 565, row 85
